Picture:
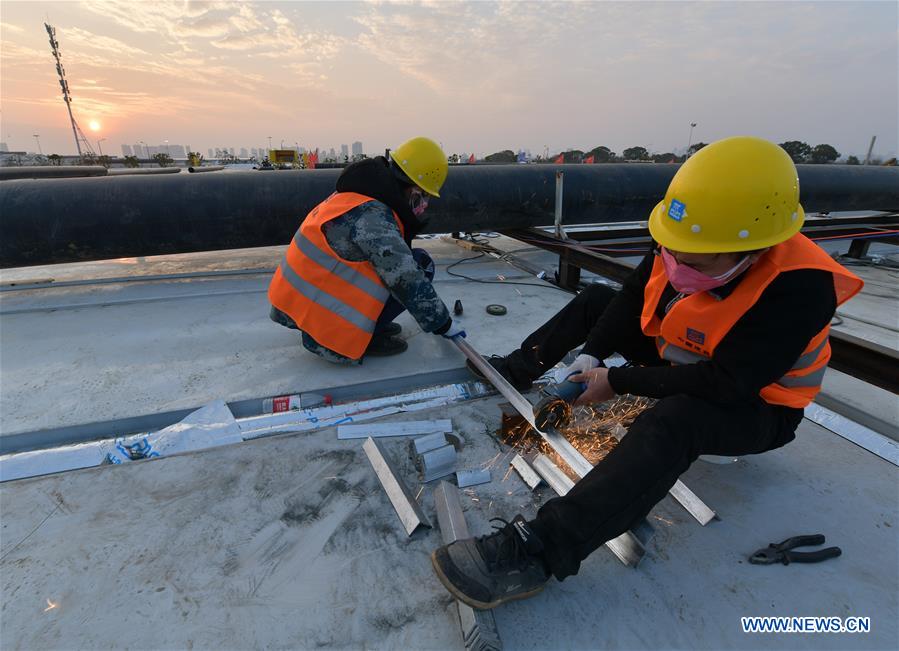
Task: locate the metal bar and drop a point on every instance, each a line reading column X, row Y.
column 527, row 474
column 438, row 463
column 466, row 478
column 402, row 428
column 885, row 448
column 429, row 442
column 626, row 547
column 408, row 510
column 690, row 501
column 552, row 475
column 478, row 627
column 560, row 232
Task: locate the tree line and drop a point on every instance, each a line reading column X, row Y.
column 799, row 151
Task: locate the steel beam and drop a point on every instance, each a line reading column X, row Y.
column 479, row 632
column 398, row 493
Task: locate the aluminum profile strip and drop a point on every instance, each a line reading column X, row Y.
column 429, row 442
column 466, row 478
column 864, row 437
column 553, row 475
column 450, row 518
column 690, row 501
column 524, row 470
column 403, row 502
column 478, row 627
column 626, row 546
column 438, row 463
column 407, row 428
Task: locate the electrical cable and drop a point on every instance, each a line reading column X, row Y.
column 496, row 282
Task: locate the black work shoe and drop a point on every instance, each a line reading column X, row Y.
column 501, row 364
column 385, row 346
column 488, row 571
column 388, row 329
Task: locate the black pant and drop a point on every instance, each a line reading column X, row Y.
column 660, row 445
column 568, row 329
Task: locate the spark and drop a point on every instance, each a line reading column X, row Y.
column 419, row 493
column 50, row 605
column 661, row 519
column 590, row 430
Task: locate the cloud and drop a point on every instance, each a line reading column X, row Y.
column 12, row 28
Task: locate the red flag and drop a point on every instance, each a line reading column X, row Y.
column 471, row 160
column 559, row 159
column 589, row 160
column 313, row 159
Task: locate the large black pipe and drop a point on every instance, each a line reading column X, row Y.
column 61, row 220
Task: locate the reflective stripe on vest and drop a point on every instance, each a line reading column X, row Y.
column 330, row 303
column 334, row 266
column 333, row 300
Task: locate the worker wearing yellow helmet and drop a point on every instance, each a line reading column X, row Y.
column 351, row 269
column 725, row 323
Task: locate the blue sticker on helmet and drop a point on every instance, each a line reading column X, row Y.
column 677, row 210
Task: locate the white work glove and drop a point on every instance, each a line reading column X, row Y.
column 580, row 364
column 455, row 330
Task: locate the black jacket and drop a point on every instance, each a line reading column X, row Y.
column 761, row 347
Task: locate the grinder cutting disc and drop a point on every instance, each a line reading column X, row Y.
column 552, row 412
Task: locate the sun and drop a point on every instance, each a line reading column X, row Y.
column 94, row 125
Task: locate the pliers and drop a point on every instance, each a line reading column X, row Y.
column 782, row 553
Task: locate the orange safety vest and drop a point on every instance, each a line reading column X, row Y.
column 336, row 301
column 696, row 324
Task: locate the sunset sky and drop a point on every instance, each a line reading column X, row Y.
column 477, row 77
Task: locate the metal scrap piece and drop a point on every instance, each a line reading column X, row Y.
column 429, row 442
column 527, row 474
column 403, row 502
column 690, row 501
column 465, row 478
column 438, row 463
column 478, row 627
column 552, row 475
column 405, row 428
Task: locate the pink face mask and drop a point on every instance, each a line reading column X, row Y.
column 419, row 203
column 687, row 280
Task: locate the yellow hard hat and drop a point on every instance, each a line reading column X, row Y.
column 424, row 162
column 736, row 194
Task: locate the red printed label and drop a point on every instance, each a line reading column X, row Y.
column 281, row 403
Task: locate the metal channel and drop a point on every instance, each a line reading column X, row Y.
column 403, row 502
column 690, row 501
column 527, row 474
column 626, row 546
column 478, row 627
column 552, row 475
column 885, row 448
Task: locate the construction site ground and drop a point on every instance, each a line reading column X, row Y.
column 290, row 542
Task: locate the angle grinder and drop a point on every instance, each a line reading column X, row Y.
column 554, row 408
